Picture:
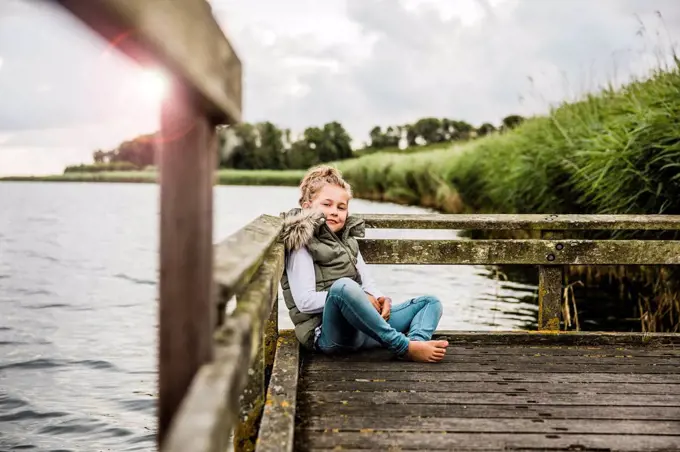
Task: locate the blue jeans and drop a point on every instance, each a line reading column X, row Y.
column 351, row 322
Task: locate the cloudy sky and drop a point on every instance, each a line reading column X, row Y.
column 64, row 92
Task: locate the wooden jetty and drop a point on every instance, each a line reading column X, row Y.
column 225, row 367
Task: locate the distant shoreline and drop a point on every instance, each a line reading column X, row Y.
column 222, row 177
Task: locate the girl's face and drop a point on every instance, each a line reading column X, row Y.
column 333, row 201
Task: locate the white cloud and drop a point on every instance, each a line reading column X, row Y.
column 361, row 62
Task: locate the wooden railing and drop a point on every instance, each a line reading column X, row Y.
column 550, row 253
column 248, row 267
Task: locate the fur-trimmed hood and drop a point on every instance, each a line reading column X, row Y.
column 300, row 225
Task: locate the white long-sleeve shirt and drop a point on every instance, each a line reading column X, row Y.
column 302, row 280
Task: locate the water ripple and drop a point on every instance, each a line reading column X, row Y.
column 46, row 363
column 134, row 280
column 49, row 306
column 30, row 414
column 31, row 253
column 23, row 291
column 139, row 404
column 11, row 403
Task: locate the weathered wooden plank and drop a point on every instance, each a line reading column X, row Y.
column 336, row 374
column 498, row 351
column 309, row 409
column 239, row 256
column 522, row 221
column 187, row 152
column 610, row 351
column 183, row 35
column 486, row 441
column 368, row 385
column 367, row 423
column 510, row 398
column 497, row 367
column 563, row 338
column 257, row 300
column 210, row 409
column 278, row 421
column 530, row 361
column 520, row 252
column 533, row 360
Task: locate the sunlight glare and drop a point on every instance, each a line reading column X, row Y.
column 153, row 84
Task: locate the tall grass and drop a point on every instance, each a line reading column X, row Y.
column 614, row 152
column 617, row 151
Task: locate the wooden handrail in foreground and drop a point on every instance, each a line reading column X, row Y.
column 205, row 90
column 229, row 391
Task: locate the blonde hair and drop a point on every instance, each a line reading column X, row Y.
column 316, row 178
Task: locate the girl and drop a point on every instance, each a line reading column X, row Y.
column 331, row 297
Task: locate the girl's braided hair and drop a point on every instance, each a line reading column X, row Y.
column 319, row 176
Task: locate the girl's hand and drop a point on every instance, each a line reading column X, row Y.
column 376, row 304
column 386, row 307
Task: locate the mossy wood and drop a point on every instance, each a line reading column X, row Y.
column 223, row 388
column 522, row 221
column 529, row 251
column 239, row 256
column 550, row 279
column 278, row 420
column 183, row 35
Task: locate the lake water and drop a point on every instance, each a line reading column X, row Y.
column 78, row 305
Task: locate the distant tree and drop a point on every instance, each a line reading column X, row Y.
column 392, row 136
column 461, row 130
column 377, row 137
column 243, row 155
column 512, row 121
column 269, row 154
column 411, row 135
column 337, row 136
column 485, row 129
column 428, row 129
column 98, row 156
column 301, row 155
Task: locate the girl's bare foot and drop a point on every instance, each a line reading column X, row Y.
column 427, row 351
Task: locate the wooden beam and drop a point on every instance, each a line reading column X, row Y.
column 532, row 252
column 187, row 161
column 528, row 222
column 182, row 35
column 277, row 428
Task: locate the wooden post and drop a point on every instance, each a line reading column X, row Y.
column 550, row 279
column 186, row 310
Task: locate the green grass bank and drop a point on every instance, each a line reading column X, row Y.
column 614, row 152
